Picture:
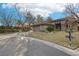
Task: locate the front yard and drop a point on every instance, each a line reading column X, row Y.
column 58, row 37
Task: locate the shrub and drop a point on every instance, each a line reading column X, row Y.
column 7, row 29
column 50, row 28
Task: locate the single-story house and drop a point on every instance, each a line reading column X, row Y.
column 40, row 27
column 59, row 24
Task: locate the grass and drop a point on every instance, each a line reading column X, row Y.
column 58, row 37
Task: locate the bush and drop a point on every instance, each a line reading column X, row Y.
column 2, row 31
column 8, row 29
column 50, row 28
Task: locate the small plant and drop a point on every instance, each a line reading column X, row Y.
column 50, row 28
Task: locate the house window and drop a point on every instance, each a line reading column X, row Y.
column 66, row 26
column 58, row 26
column 78, row 28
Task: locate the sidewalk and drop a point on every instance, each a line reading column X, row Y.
column 4, row 36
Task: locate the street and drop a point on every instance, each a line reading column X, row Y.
column 14, row 47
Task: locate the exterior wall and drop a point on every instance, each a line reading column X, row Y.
column 63, row 27
column 43, row 27
column 39, row 28
column 59, row 25
column 67, row 24
column 36, row 28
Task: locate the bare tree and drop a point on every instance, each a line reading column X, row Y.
column 6, row 19
column 27, row 15
column 18, row 14
column 22, row 18
column 72, row 9
column 49, row 20
column 39, row 19
column 30, row 18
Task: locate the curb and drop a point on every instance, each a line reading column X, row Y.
column 61, row 48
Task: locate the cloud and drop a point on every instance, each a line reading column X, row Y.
column 43, row 9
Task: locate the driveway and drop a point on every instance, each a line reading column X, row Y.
column 15, row 47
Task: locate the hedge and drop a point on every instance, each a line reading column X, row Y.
column 6, row 29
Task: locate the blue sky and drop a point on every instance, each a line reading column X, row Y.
column 54, row 10
column 58, row 15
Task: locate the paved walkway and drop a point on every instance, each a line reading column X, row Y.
column 11, row 46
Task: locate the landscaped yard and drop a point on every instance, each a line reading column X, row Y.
column 58, row 37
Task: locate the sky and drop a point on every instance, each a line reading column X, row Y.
column 54, row 10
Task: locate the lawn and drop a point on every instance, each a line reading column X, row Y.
column 58, row 37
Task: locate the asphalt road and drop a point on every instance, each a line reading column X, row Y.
column 14, row 47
